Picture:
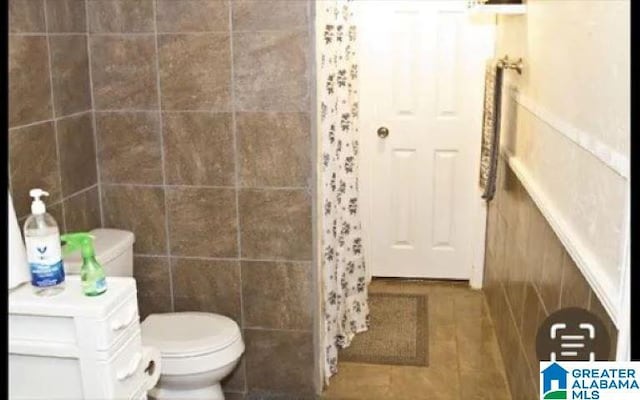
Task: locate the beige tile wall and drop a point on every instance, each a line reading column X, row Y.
column 528, row 275
column 202, row 114
column 51, row 139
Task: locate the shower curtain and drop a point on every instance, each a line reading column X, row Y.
column 344, row 277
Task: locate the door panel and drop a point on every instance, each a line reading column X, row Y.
column 422, row 77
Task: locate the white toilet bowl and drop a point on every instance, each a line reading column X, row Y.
column 197, row 351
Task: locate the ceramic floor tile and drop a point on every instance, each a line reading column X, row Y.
column 359, row 381
column 431, row 383
column 483, row 384
column 470, row 305
column 464, row 357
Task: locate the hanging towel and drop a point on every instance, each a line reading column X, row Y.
column 491, row 129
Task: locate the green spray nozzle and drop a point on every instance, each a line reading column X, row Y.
column 79, row 240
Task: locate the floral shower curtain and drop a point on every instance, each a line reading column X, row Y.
column 344, row 277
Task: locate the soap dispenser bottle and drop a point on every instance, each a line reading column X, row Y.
column 44, row 254
column 92, row 275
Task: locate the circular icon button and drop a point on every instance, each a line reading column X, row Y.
column 572, row 334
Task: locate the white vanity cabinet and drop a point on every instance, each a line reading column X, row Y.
column 71, row 346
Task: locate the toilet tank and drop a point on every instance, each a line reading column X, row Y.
column 114, row 251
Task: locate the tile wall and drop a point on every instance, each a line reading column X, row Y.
column 202, row 118
column 51, row 139
column 528, row 275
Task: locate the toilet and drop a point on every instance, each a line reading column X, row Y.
column 197, row 349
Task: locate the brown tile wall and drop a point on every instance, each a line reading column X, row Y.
column 202, row 115
column 51, row 136
column 528, row 275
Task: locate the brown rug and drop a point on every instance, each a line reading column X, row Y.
column 397, row 332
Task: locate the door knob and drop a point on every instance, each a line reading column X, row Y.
column 383, row 132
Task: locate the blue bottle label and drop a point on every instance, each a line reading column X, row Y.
column 44, row 275
column 45, row 260
column 101, row 285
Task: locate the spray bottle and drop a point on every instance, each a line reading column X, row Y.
column 92, row 274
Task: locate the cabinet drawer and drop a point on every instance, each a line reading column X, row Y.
column 123, row 375
column 79, row 334
column 100, row 335
column 39, row 328
column 127, row 369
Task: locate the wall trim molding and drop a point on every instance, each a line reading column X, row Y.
column 600, row 283
column 479, row 245
column 610, row 157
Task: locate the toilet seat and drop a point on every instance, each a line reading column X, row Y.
column 192, row 342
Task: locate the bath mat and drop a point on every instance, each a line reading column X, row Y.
column 397, row 334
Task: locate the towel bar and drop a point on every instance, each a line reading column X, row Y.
column 505, row 63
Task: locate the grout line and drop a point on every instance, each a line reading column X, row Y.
column 135, row 34
column 288, row 261
column 73, row 115
column 142, row 110
column 521, row 346
column 274, row 260
column 127, row 110
column 235, row 158
column 32, row 34
column 503, row 293
column 163, row 33
column 162, row 155
column 495, row 334
column 169, row 186
column 63, row 199
column 313, row 182
column 294, row 29
column 212, row 111
column 562, row 271
column 237, row 188
column 457, row 351
column 258, row 328
column 492, row 322
column 55, row 119
column 544, row 306
column 63, row 228
column 93, row 116
column 529, row 270
column 80, row 192
column 28, row 33
column 300, row 29
column 53, row 113
column 155, row 185
column 192, row 33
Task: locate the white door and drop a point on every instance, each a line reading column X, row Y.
column 422, row 77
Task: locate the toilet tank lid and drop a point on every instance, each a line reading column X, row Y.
column 108, row 244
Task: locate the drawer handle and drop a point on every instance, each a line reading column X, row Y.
column 120, row 324
column 133, row 367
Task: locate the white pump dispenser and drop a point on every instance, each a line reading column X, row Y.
column 44, row 253
column 37, row 206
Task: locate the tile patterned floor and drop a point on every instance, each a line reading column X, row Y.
column 464, row 358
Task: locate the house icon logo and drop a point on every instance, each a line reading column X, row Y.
column 554, row 382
